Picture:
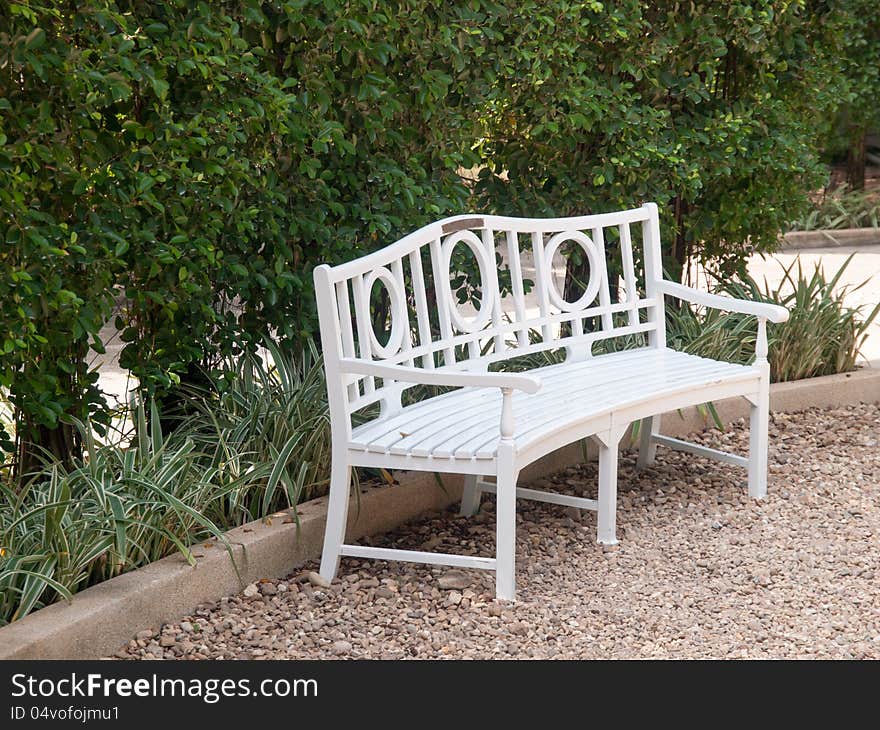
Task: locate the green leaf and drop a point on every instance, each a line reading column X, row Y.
column 35, row 39
column 160, row 87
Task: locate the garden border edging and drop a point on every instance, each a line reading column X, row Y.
column 104, row 617
column 829, row 238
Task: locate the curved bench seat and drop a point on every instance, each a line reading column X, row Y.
column 598, row 393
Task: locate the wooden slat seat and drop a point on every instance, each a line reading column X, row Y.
column 463, row 424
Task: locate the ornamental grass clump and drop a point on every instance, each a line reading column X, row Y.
column 823, row 335
column 267, row 410
column 256, row 441
column 66, row 528
column 843, row 208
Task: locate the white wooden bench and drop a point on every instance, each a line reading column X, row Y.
column 496, row 423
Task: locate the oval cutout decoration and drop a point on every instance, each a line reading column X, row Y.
column 397, row 312
column 586, row 243
column 487, row 281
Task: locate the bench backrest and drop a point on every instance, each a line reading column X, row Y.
column 429, row 329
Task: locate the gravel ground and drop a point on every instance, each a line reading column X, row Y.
column 702, row 571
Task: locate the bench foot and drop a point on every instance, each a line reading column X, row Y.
column 470, row 497
column 337, row 517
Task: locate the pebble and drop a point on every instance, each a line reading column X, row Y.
column 702, row 572
column 454, row 580
column 316, row 580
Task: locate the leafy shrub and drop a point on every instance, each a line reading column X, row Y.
column 137, row 143
column 222, row 149
column 225, row 148
column 858, row 61
column 58, row 259
column 710, row 109
column 200, row 135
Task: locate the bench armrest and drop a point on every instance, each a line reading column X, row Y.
column 771, row 312
column 451, row 378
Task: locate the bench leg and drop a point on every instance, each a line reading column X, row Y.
column 505, row 526
column 607, row 516
column 759, row 426
column 337, row 517
column 470, row 497
column 647, row 446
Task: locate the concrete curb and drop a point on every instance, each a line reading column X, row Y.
column 104, row 617
column 830, row 239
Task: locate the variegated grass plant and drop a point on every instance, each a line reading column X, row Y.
column 247, row 448
column 268, row 410
column 63, row 529
column 842, row 208
column 824, row 335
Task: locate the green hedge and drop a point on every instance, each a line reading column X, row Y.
column 710, row 109
column 196, row 159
